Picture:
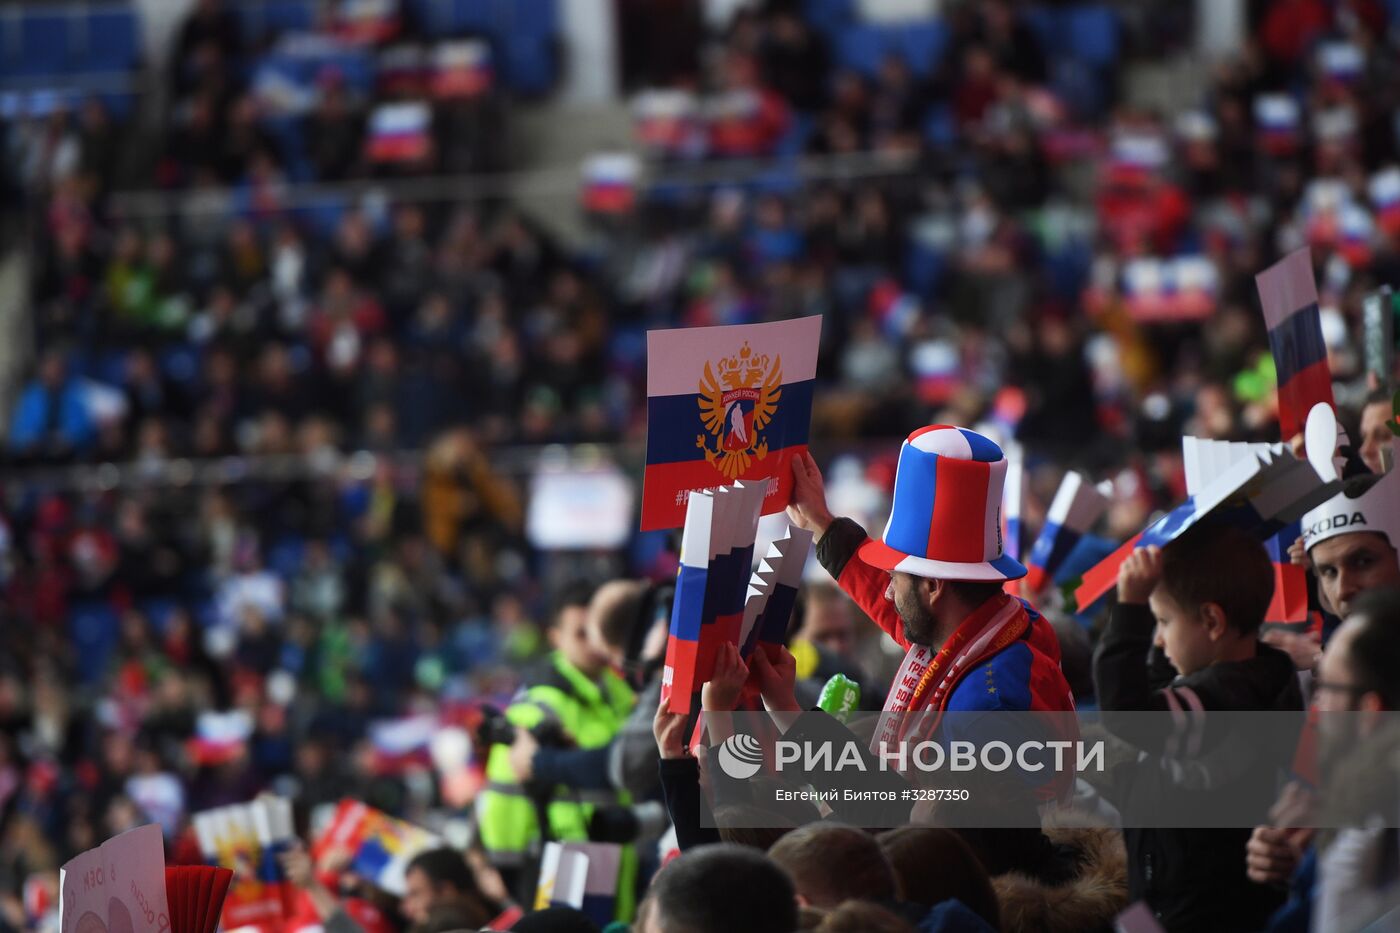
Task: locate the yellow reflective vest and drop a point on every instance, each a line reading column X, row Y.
column 591, row 713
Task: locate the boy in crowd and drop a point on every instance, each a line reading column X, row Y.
column 1202, row 600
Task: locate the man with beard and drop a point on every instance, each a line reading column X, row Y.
column 1339, row 879
column 934, row 583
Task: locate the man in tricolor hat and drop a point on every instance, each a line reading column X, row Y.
column 1351, row 539
column 934, row 581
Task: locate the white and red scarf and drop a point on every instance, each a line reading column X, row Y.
column 926, row 678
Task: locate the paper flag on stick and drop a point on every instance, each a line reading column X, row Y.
column 1288, row 293
column 1289, row 607
column 1077, row 505
column 1012, row 494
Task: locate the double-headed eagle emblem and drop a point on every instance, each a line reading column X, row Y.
column 738, row 398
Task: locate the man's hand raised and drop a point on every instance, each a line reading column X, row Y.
column 808, row 508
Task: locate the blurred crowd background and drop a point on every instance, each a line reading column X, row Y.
column 299, row 384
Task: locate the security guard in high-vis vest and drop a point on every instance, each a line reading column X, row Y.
column 578, row 698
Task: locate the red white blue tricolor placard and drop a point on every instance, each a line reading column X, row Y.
column 725, row 404
column 1077, row 505
column 1288, row 293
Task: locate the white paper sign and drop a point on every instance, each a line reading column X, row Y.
column 119, row 887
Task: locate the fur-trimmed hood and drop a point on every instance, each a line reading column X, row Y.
column 1085, row 904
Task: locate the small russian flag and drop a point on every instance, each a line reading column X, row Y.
column 400, row 132
column 462, row 68
column 667, row 121
column 937, row 370
column 1358, row 232
column 1136, row 157
column 401, row 70
column 1277, row 117
column 688, row 608
column 610, row 182
column 220, row 737
column 1384, row 190
column 1076, row 507
column 1341, row 61
column 1181, row 289
column 400, row 744
column 368, row 21
column 1288, row 293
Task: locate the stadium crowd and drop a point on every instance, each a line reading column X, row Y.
column 991, row 278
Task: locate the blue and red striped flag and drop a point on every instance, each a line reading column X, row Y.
column 1077, row 505
column 725, row 404
column 1288, row 293
column 1289, row 607
column 688, row 608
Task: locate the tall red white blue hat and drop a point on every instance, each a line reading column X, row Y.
column 945, row 521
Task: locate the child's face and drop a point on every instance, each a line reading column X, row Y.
column 1183, row 635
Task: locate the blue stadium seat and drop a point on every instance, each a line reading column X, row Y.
column 831, row 17
column 922, row 45
column 940, row 129
column 530, row 65
column 46, row 44
column 180, row 363
column 9, row 43
column 288, row 15
column 1067, row 270
column 93, row 627
column 284, row 557
column 323, row 215
column 1093, row 35
column 794, row 141
column 1081, row 85
column 1393, row 7
column 925, row 269
column 113, row 40
column 526, row 18
column 119, row 104
column 861, row 48
column 1045, row 24
column 111, row 368
column 158, row 611
column 471, row 16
